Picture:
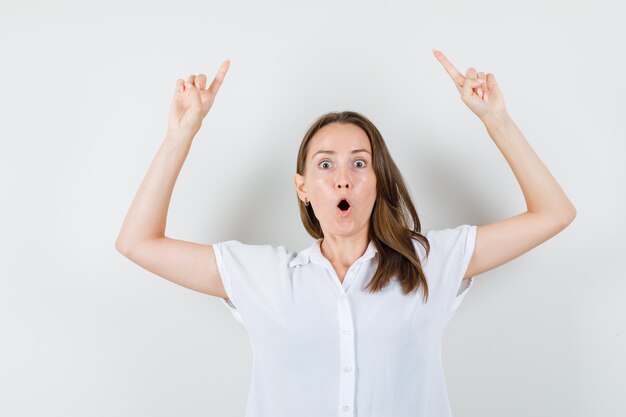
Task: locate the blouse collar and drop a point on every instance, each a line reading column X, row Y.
column 314, row 254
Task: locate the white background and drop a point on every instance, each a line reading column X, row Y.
column 86, row 90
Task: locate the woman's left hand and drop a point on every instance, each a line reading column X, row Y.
column 481, row 94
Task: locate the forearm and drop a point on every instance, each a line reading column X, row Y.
column 147, row 215
column 542, row 192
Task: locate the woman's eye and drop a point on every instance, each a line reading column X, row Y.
column 359, row 160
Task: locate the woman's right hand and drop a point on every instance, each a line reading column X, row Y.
column 192, row 102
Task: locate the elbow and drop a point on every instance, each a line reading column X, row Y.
column 569, row 216
column 121, row 247
column 561, row 218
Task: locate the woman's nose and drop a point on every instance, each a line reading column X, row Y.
column 343, row 181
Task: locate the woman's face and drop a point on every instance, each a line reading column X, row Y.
column 339, row 164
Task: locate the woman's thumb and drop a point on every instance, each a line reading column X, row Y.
column 179, row 86
column 196, row 103
column 469, row 85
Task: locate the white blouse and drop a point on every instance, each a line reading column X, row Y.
column 323, row 348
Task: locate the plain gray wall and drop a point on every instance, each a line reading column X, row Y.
column 86, row 90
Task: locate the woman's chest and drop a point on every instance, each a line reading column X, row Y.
column 328, row 316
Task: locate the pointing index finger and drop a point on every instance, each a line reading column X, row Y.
column 456, row 76
column 219, row 77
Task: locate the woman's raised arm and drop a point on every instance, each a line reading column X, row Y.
column 142, row 236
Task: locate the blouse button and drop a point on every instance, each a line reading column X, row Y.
column 346, row 331
column 348, row 368
column 345, row 408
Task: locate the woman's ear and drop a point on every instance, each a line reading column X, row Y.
column 298, row 181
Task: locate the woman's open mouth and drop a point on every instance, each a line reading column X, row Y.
column 344, row 208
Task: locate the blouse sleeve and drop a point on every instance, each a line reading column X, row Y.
column 247, row 273
column 451, row 251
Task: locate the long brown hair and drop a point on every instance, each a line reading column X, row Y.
column 394, row 221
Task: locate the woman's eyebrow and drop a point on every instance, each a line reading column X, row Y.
column 333, row 152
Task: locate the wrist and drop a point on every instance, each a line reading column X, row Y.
column 496, row 119
column 179, row 136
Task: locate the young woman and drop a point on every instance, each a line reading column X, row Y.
column 338, row 329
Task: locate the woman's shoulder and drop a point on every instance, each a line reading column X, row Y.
column 263, row 253
column 449, row 235
column 442, row 239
